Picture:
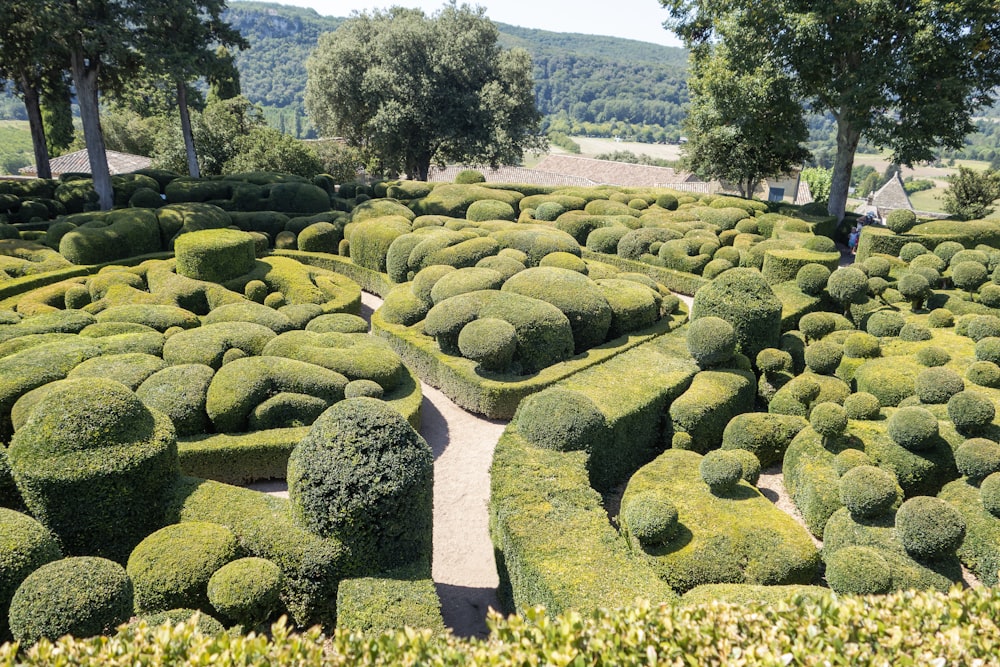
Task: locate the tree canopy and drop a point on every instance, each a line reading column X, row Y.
column 411, row 90
column 905, row 75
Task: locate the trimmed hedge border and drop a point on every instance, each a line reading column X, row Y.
column 675, row 281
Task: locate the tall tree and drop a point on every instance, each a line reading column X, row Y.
column 741, row 127
column 411, row 90
column 57, row 113
column 178, row 40
column 26, row 58
column 223, row 77
column 904, row 74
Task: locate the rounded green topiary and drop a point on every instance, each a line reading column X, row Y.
column 751, row 465
column 928, row 261
column 877, row 267
column 83, row 597
column 970, row 411
column 901, row 220
column 858, row 570
column 650, row 518
column 667, row 201
column 256, row 290
column 948, row 249
column 491, row 342
column 988, row 349
column 847, row 285
column 772, row 360
column 560, row 419
column 868, row 491
column 911, row 250
column 983, row 373
column 968, row 275
column 711, row 341
column 862, row 405
column 94, row 464
column 366, row 388
column 862, row 346
column 877, row 286
column 884, row 323
column 715, row 268
column 914, row 333
column 469, row 176
column 913, row 428
column 812, row 278
column 743, row 298
column 364, row 476
column 978, row 458
column 823, row 357
column 205, row 624
column 929, row 527
column 828, row 419
column 937, row 385
column 817, row 325
column 26, row 546
column 214, row 255
column 989, row 295
column 932, row 355
column 941, row 318
column 549, row 211
column 721, row 469
column 915, row 288
column 849, row 459
column 564, row 260
column 989, row 491
column 979, row 327
column 246, row 591
column 490, row 209
column 170, row 568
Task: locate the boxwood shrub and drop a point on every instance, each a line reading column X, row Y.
column 246, row 591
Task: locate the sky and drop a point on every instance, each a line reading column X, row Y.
column 632, row 19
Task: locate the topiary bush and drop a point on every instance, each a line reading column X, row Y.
column 27, row 545
column 83, row 597
column 970, row 411
column 968, row 275
column 246, row 591
column 937, row 385
column 914, row 333
column 847, row 285
column 947, row 250
column 744, row 299
column 915, row 288
column 490, row 342
column 885, row 323
column 978, row 458
column 913, row 428
column 983, row 373
column 989, row 491
column 721, row 470
column 911, row 250
column 469, row 176
column 486, row 209
column 650, row 518
column 562, row 420
column 979, row 327
column 862, row 346
column 858, row 570
column 932, row 355
column 941, row 318
column 364, row 476
column 828, row 419
column 823, row 357
column 215, row 255
column 868, row 491
column 711, row 341
column 862, row 405
column 170, row 568
column 901, row 220
column 817, row 325
column 929, row 528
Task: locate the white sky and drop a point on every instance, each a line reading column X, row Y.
column 633, row 19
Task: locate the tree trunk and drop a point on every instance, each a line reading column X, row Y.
column 182, row 106
column 34, row 108
column 840, row 184
column 85, row 80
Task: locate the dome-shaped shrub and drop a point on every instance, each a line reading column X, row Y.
column 989, row 295
column 751, row 465
column 914, row 333
column 772, row 360
column 877, row 286
column 983, row 373
column 901, row 220
column 667, row 201
column 968, row 275
column 932, row 356
column 970, row 411
column 721, row 470
column 469, row 176
column 978, row 458
column 868, row 491
column 812, row 278
column 941, row 318
column 862, row 346
column 26, row 546
column 937, row 385
column 491, row 342
column 823, row 357
column 246, row 591
column 715, row 268
column 743, row 298
column 928, row 261
column 929, row 527
column 847, row 285
column 988, row 349
column 363, row 388
column 560, row 419
column 549, row 211
column 711, row 341
column 817, row 325
column 877, row 267
column 858, row 570
column 977, row 256
column 564, row 260
column 913, row 428
column 828, row 419
column 862, row 405
column 83, row 597
column 170, row 568
column 911, row 250
column 849, row 459
column 364, row 476
column 650, row 518
column 205, row 624
column 978, row 327
column 915, row 288
column 948, row 249
column 885, row 323
column 490, row 209
column 214, row 255
column 989, row 490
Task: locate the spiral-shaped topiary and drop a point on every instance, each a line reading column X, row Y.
column 868, row 490
column 721, row 469
column 913, row 428
column 929, row 527
column 858, row 570
column 828, row 419
column 970, row 411
column 937, row 385
column 711, row 341
column 978, row 458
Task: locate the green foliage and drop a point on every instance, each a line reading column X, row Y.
column 929, row 528
column 812, row 278
column 403, row 597
column 970, row 411
column 711, row 341
column 745, row 300
column 489, row 341
column 828, row 419
column 765, row 435
column 27, row 546
column 858, row 570
column 712, row 400
column 990, row 491
column 171, row 567
column 246, row 591
column 820, row 181
column 266, row 149
column 901, row 220
column 978, row 458
column 970, row 194
column 720, row 470
column 913, row 428
column 862, row 405
column 561, row 420
column 823, row 357
column 83, row 597
column 868, row 491
column 847, row 285
column 650, row 518
column 938, row 384
column 474, row 102
column 363, row 475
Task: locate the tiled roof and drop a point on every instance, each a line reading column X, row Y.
column 509, row 175
column 892, row 195
column 612, row 173
column 804, row 195
column 79, row 162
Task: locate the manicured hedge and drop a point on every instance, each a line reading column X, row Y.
column 403, row 597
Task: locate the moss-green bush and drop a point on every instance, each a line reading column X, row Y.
column 320, row 237
column 745, row 300
column 938, row 384
column 978, row 458
column 711, row 341
column 970, row 411
column 929, row 528
column 847, row 285
column 650, row 518
column 828, row 419
column 812, row 278
column 129, row 369
column 868, row 491
column 561, row 419
column 885, row 323
column 900, row 220
column 93, row 464
column 823, row 357
column 246, row 591
column 113, row 235
column 171, row 567
column 359, row 388
column 765, row 435
column 180, row 393
column 914, row 333
column 465, row 280
column 491, row 342
column 363, row 476
column 487, row 209
column 721, row 469
column 338, row 323
column 968, row 275
column 27, row 545
column 83, row 597
column 634, row 244
column 858, row 570
column 988, row 349
column 714, row 398
column 207, row 344
column 913, row 428
column 862, row 405
column 159, row 317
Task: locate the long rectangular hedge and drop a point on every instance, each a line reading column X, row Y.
column 675, row 281
column 370, row 281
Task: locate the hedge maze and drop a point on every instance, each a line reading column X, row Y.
column 205, row 333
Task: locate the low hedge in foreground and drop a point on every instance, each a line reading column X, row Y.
column 956, row 627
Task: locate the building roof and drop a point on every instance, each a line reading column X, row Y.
column 509, row 175
column 79, row 162
column 892, row 195
column 606, row 172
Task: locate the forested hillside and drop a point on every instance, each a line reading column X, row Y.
column 585, row 84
